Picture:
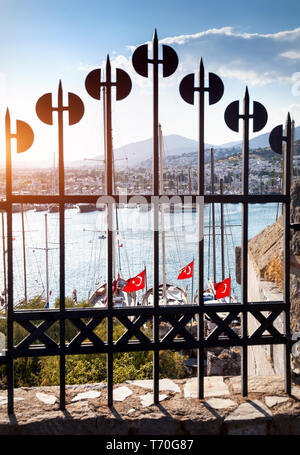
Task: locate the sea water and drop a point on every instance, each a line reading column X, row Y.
column 85, row 247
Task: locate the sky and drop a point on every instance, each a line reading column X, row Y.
column 253, row 43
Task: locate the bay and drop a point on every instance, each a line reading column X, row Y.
column 85, row 247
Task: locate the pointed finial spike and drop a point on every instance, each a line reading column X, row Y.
column 155, row 38
column 7, row 118
column 201, row 68
column 59, row 87
column 246, row 92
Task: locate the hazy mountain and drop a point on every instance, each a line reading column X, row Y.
column 140, row 153
column 260, row 141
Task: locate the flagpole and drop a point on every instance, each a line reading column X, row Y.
column 146, row 285
column 193, row 282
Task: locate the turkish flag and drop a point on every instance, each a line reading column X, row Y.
column 135, row 283
column 222, row 289
column 186, row 272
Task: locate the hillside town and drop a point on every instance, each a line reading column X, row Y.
column 180, row 176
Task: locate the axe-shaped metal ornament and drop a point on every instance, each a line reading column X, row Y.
column 93, row 85
column 232, row 117
column 24, row 134
column 215, row 87
column 24, row 137
column 215, row 90
column 259, row 116
column 277, row 137
column 169, row 62
column 44, row 110
column 276, row 140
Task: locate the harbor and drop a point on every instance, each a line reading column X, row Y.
column 85, row 248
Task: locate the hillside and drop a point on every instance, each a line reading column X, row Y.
column 180, row 150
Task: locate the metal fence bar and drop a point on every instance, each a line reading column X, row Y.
column 109, row 228
column 201, row 186
column 62, row 360
column 244, row 262
column 191, row 198
column 286, row 249
column 10, row 288
column 155, row 179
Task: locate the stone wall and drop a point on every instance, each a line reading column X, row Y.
column 266, row 410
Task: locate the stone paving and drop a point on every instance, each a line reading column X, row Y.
column 267, row 409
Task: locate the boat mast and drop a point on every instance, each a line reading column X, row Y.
column 212, row 165
column 222, row 232
column 47, row 263
column 161, row 189
column 24, row 254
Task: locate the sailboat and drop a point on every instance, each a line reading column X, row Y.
column 209, row 294
column 120, row 298
column 168, row 294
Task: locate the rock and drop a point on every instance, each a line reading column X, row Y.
column 227, row 363
column 144, row 383
column 3, row 400
column 214, row 386
column 249, row 418
column 251, row 410
column 295, row 363
column 168, row 384
column 220, row 403
column 262, row 384
column 45, row 398
column 147, row 400
column 274, row 400
column 86, row 395
column 164, row 384
column 296, row 392
column 121, row 393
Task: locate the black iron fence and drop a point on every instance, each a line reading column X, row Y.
column 132, row 318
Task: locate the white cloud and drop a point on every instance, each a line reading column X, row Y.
column 293, row 55
column 294, row 110
column 228, row 31
column 252, row 78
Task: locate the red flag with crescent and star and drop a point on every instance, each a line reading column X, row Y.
column 186, row 272
column 136, row 283
column 222, row 289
